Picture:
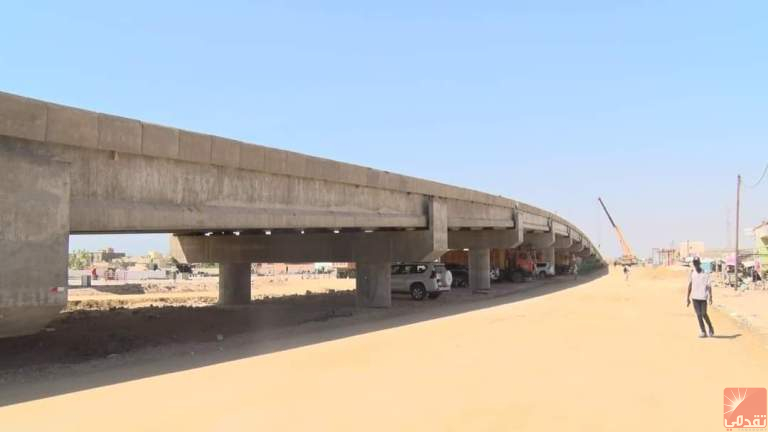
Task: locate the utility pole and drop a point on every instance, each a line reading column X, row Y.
column 736, row 252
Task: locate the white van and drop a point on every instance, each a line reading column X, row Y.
column 421, row 280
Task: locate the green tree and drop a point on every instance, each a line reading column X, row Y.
column 79, row 259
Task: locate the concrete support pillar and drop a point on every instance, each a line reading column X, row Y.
column 373, row 284
column 549, row 255
column 234, row 283
column 34, row 237
column 480, row 269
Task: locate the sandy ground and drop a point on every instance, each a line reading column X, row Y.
column 195, row 292
column 604, row 356
column 114, row 321
column 748, row 307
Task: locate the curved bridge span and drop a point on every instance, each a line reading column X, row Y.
column 64, row 170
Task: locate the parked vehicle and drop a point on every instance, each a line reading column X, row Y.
column 184, row 268
column 421, row 280
column 520, row 265
column 545, row 269
column 460, row 275
column 346, row 273
column 495, row 274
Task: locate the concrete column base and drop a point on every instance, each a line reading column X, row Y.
column 480, row 270
column 373, row 285
column 234, row 283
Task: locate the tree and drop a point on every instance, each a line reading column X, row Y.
column 79, row 259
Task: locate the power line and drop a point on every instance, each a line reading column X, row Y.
column 762, row 177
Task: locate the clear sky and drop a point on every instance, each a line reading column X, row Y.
column 655, row 106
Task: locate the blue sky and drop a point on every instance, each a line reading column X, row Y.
column 654, row 106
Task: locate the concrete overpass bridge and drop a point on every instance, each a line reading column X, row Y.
column 64, row 170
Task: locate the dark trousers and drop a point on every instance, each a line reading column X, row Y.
column 700, row 306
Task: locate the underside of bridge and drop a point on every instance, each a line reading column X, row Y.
column 65, row 170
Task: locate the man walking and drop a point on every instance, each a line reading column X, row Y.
column 700, row 291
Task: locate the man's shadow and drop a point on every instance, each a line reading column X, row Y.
column 733, row 336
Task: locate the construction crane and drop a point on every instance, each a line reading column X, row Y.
column 627, row 257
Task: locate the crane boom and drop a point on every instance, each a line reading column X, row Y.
column 606, row 212
column 628, row 256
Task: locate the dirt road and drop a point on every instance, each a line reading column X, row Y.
column 603, row 356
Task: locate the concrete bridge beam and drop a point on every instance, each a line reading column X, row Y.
column 563, row 242
column 540, row 241
column 577, row 247
column 485, row 239
column 379, row 246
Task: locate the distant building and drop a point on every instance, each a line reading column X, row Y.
column 725, row 254
column 761, row 243
column 151, row 261
column 690, row 248
column 665, row 256
column 273, row 269
column 345, row 270
column 106, row 255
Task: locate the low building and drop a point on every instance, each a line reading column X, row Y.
column 274, row 269
column 343, row 265
column 106, row 255
column 345, row 270
column 761, row 244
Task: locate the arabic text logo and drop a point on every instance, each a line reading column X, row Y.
column 745, row 408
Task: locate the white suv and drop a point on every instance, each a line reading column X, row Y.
column 421, row 280
column 545, row 269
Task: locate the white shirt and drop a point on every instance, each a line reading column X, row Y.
column 699, row 283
